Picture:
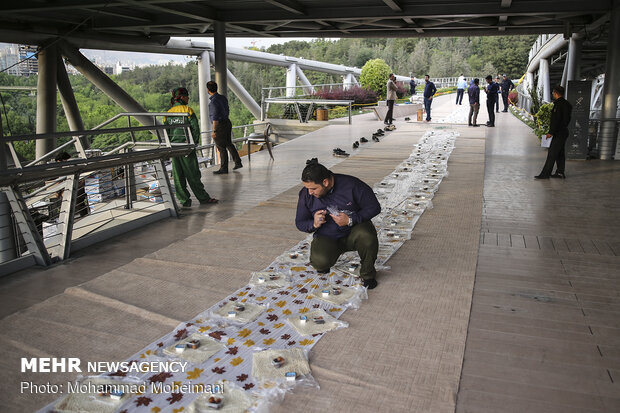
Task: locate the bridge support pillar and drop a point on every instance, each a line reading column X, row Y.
column 204, row 75
column 349, row 81
column 46, row 99
column 543, row 80
column 291, row 79
column 69, row 104
column 611, row 89
column 304, row 80
column 219, row 40
column 574, row 59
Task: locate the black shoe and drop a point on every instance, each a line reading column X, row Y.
column 541, row 177
column 370, row 283
column 220, row 172
column 407, row 118
column 323, row 271
column 558, row 175
column 490, row 125
column 339, row 152
column 188, row 204
column 356, row 145
column 374, row 138
column 504, row 111
column 497, row 111
column 469, row 124
column 238, row 166
column 363, row 140
column 476, row 126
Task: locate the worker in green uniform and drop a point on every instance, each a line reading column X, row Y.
column 185, row 169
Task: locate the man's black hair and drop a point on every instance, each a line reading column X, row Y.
column 315, row 172
column 212, row 86
column 489, row 77
column 62, row 156
column 429, row 76
column 476, row 81
column 559, row 90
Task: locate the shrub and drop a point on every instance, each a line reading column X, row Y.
column 401, row 91
column 358, row 94
column 375, row 76
column 513, row 96
column 543, row 119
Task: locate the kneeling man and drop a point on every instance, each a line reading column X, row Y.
column 337, row 209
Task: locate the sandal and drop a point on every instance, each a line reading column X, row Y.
column 210, row 201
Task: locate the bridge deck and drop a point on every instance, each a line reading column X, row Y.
column 405, row 346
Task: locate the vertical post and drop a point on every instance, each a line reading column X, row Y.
column 564, row 72
column 204, row 75
column 611, row 88
column 67, row 211
column 543, row 80
column 574, row 58
column 74, row 119
column 291, row 79
column 7, row 236
column 46, row 99
column 219, row 40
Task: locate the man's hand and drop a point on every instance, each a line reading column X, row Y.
column 319, row 218
column 430, row 98
column 213, row 135
column 341, row 219
column 548, row 136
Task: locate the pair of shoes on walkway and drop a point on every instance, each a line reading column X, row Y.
column 340, row 153
column 222, row 171
column 356, row 145
column 407, row 118
column 375, row 138
column 379, row 132
column 558, row 175
column 363, row 140
column 390, row 127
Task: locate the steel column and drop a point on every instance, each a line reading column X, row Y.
column 543, row 80
column 7, row 235
column 103, row 82
column 611, row 88
column 219, row 41
column 304, row 80
column 204, row 75
column 243, row 95
column 574, row 58
column 46, row 99
column 69, row 104
column 291, row 80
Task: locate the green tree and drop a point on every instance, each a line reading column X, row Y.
column 375, row 75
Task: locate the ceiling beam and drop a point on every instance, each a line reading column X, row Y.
column 394, row 5
column 505, row 4
column 412, row 23
column 288, row 5
column 141, row 4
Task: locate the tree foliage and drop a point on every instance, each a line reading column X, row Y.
column 374, row 76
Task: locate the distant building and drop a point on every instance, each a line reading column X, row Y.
column 30, row 64
column 119, row 68
column 9, row 59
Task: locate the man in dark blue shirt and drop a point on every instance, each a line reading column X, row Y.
column 412, row 85
column 429, row 92
column 337, row 209
column 491, row 90
column 507, row 86
column 474, row 102
column 222, row 129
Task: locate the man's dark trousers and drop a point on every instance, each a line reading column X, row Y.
column 490, row 107
column 459, row 96
column 223, row 141
column 427, row 107
column 505, row 99
column 389, row 116
column 556, row 154
column 324, row 251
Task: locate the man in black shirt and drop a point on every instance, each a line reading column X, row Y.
column 558, row 129
column 507, row 86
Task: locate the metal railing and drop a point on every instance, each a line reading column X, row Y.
column 64, row 206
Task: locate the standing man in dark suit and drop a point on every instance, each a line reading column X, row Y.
column 491, row 91
column 507, row 86
column 412, row 85
column 222, row 129
column 558, row 130
column 429, row 92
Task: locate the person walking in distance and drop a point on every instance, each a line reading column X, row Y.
column 461, row 84
column 474, row 102
column 222, row 129
column 558, row 133
column 412, row 85
column 390, row 99
column 507, row 86
column 499, row 92
column 491, row 91
column 185, row 169
column 429, row 92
